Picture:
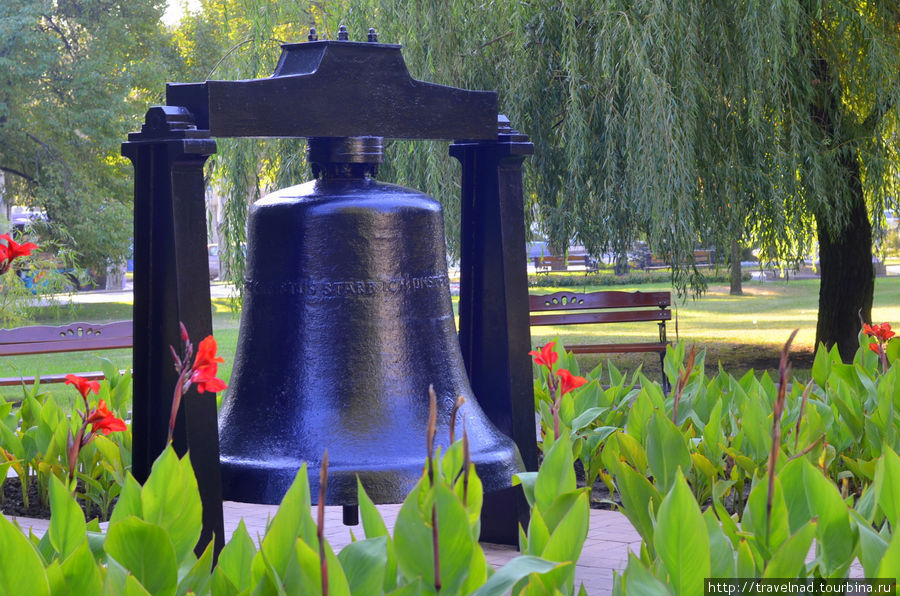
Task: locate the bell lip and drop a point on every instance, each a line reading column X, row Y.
column 256, row 481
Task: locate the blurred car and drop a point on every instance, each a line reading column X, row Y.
column 212, row 252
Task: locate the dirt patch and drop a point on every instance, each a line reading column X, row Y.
column 13, row 504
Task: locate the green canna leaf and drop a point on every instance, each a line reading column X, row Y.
column 413, row 588
column 374, row 526
column 305, row 577
column 146, row 551
column 788, row 560
column 754, row 518
column 556, row 475
column 567, row 538
column 821, row 369
column 507, row 576
column 198, row 577
column 538, row 533
column 631, row 450
column 793, row 488
column 364, row 563
column 639, row 500
column 638, row 417
column 872, row 545
column 170, row 499
column 746, row 564
column 527, row 480
column 413, row 539
column 667, row 451
column 834, row 539
column 129, row 502
column 887, row 486
column 681, row 539
column 236, row 558
column 21, row 567
column 57, row 580
column 586, row 418
column 890, row 563
column 67, row 529
column 479, row 571
column 134, row 588
column 721, row 563
column 292, row 520
column 640, row 580
column 712, row 434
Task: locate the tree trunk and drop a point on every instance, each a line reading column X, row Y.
column 847, row 282
column 736, row 289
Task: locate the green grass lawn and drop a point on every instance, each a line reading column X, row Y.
column 742, row 332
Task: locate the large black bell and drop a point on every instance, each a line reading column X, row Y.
column 347, row 320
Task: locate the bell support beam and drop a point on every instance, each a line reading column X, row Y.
column 338, row 89
column 171, row 285
column 495, row 335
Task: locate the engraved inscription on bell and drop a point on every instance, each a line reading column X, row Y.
column 323, row 288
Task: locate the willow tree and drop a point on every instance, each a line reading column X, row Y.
column 681, row 122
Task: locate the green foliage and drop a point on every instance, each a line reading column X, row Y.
column 46, row 274
column 77, row 78
column 149, row 545
column 33, row 439
column 682, row 484
column 634, row 277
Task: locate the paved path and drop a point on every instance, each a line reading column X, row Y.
column 610, row 537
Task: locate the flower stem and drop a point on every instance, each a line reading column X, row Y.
column 784, row 369
column 432, row 426
column 320, row 525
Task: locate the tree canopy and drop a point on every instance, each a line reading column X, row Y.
column 75, row 77
column 678, row 122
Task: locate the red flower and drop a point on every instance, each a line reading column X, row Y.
column 15, row 250
column 882, row 332
column 12, row 250
column 875, row 347
column 568, row 381
column 203, row 373
column 546, row 357
column 206, row 354
column 83, row 385
column 102, row 420
column 205, row 380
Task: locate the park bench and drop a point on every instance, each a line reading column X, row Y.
column 73, row 337
column 702, row 258
column 548, row 263
column 574, row 308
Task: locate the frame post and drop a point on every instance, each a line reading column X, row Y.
column 494, row 330
column 171, row 285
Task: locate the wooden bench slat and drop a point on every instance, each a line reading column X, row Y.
column 602, row 317
column 45, row 379
column 68, row 331
column 610, row 299
column 617, row 348
column 56, row 347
